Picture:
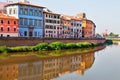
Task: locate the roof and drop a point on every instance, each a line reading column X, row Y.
column 5, row 16
column 26, row 4
column 50, row 12
column 70, row 18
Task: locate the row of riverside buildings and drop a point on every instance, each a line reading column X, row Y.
column 23, row 19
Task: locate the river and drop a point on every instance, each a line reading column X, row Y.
column 102, row 64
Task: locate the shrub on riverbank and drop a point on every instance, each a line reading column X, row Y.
column 108, row 41
column 40, row 46
column 47, row 46
column 4, row 49
column 70, row 45
column 56, row 45
column 21, row 49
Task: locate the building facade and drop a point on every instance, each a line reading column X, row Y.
column 72, row 27
column 76, row 28
column 30, row 18
column 88, row 29
column 8, row 26
column 52, row 25
column 66, row 26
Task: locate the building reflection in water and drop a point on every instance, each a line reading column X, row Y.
column 34, row 68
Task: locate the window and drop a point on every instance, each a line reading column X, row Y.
column 40, row 14
column 2, row 22
column 21, row 10
column 54, row 27
column 35, row 22
column 30, row 22
column 58, row 22
column 49, row 15
column 1, row 35
column 36, row 13
column 72, row 30
column 31, row 12
column 54, row 21
column 25, row 21
column 26, row 12
column 46, row 21
column 14, row 11
column 46, row 15
column 58, row 17
column 21, row 21
column 72, row 24
column 8, row 36
column 8, row 29
column 14, row 29
column 25, row 33
column 80, row 25
column 40, row 23
column 8, row 22
column 54, row 16
column 10, row 11
column 14, row 22
column 1, row 28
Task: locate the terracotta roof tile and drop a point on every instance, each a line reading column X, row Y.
column 50, row 12
column 5, row 16
column 25, row 3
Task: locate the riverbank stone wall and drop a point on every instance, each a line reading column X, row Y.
column 34, row 41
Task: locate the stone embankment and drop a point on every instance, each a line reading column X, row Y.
column 33, row 41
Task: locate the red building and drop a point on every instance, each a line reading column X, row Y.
column 8, row 26
column 88, row 29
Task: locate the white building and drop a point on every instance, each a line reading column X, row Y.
column 76, row 28
column 52, row 25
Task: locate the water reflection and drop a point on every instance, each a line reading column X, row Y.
column 36, row 68
column 116, row 42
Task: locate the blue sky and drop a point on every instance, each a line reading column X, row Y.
column 105, row 13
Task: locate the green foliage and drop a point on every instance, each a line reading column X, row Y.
column 71, row 45
column 86, row 44
column 51, row 46
column 21, row 49
column 93, row 44
column 56, row 45
column 108, row 41
column 113, row 34
column 79, row 45
column 4, row 49
column 41, row 46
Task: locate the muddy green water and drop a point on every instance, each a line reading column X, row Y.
column 102, row 63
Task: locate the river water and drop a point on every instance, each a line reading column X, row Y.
column 103, row 64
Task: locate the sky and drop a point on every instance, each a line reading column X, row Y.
column 104, row 13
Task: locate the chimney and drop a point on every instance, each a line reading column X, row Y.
column 81, row 15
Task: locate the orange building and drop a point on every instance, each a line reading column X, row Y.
column 8, row 26
column 88, row 28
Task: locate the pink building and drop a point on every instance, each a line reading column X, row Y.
column 52, row 25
